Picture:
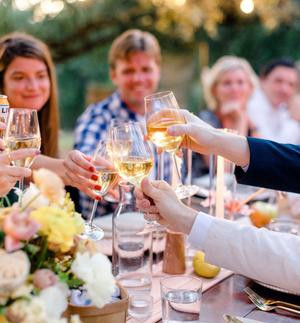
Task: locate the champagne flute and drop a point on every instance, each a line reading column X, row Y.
column 162, row 111
column 107, row 177
column 131, row 152
column 22, row 131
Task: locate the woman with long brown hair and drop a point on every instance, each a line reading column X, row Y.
column 27, row 77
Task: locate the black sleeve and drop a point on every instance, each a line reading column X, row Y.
column 272, row 165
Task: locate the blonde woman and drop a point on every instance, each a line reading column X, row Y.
column 227, row 87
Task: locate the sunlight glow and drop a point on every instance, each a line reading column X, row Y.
column 247, row 6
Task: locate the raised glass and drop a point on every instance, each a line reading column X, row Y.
column 162, row 111
column 107, row 177
column 22, row 131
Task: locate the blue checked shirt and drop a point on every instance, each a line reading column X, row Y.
column 93, row 126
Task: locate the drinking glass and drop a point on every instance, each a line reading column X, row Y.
column 107, row 177
column 131, row 152
column 22, row 131
column 162, row 111
column 140, row 306
column 181, row 299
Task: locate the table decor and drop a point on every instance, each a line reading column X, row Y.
column 44, row 265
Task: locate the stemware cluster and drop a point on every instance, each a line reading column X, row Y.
column 127, row 153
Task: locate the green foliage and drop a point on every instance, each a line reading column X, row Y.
column 80, row 35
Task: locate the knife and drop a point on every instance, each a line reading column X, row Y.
column 231, row 319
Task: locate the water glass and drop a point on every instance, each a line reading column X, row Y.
column 181, row 299
column 140, row 306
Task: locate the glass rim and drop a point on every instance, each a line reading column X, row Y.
column 23, row 109
column 158, row 95
column 163, row 279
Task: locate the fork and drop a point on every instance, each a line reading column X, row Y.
column 264, row 301
column 268, row 308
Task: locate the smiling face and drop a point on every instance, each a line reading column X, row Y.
column 135, row 78
column 233, row 86
column 27, row 83
column 280, row 85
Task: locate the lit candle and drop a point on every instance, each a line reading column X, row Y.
column 220, row 188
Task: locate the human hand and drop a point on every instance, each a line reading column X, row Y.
column 199, row 135
column 9, row 175
column 167, row 208
column 81, row 172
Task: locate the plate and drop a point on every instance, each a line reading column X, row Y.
column 277, row 289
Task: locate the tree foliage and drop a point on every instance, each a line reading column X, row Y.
column 81, row 33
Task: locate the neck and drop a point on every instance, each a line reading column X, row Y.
column 136, row 108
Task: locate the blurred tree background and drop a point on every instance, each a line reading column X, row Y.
column 192, row 33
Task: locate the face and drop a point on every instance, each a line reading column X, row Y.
column 233, row 86
column 280, row 85
column 27, row 83
column 135, row 78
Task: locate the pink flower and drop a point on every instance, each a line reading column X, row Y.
column 11, row 244
column 19, row 225
column 44, row 278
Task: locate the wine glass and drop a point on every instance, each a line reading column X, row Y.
column 22, row 131
column 131, row 152
column 107, row 177
column 162, row 111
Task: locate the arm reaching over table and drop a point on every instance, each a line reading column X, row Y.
column 269, row 164
column 260, row 254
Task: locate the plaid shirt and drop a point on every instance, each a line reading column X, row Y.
column 93, row 126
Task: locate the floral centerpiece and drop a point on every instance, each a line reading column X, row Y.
column 43, row 259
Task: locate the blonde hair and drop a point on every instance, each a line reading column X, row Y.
column 131, row 41
column 15, row 45
column 210, row 77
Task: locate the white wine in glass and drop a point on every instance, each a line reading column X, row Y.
column 22, row 131
column 162, row 111
column 107, row 177
column 131, row 152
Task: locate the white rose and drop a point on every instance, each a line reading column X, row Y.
column 14, row 269
column 55, row 299
column 29, row 197
column 95, row 271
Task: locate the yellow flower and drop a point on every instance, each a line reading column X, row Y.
column 59, row 226
column 50, row 185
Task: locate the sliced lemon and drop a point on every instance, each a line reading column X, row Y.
column 203, row 268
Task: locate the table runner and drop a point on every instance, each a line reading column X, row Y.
column 155, row 292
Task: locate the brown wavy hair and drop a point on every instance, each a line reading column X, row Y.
column 15, row 45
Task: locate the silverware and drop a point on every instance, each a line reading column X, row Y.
column 268, row 308
column 231, row 319
column 265, row 301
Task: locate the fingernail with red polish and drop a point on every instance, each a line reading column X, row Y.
column 94, row 177
column 97, row 187
column 92, row 169
column 98, row 198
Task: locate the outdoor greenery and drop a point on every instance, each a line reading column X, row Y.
column 79, row 33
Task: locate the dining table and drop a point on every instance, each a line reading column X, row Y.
column 228, row 297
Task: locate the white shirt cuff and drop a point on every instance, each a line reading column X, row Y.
column 200, row 230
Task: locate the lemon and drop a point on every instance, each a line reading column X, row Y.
column 203, row 268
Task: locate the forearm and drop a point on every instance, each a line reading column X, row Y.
column 54, row 164
column 260, row 254
column 232, row 147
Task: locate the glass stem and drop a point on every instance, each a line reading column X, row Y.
column 21, row 188
column 91, row 219
column 177, row 169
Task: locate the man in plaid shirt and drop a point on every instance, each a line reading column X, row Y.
column 134, row 60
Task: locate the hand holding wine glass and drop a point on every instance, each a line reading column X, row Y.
column 106, row 178
column 162, row 112
column 22, row 131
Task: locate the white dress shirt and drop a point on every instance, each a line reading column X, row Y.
column 260, row 254
column 272, row 123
